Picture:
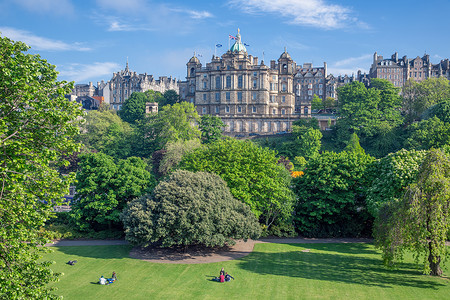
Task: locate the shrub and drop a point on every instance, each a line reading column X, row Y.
column 189, row 209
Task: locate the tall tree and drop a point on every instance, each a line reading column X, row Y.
column 105, row 131
column 252, row 174
column 211, row 128
column 133, row 109
column 371, row 113
column 330, row 201
column 37, row 126
column 417, row 97
column 104, row 188
column 170, row 98
column 421, row 221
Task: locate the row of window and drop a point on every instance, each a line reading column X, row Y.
column 239, row 110
column 239, row 97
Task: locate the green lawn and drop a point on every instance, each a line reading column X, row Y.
column 272, row 271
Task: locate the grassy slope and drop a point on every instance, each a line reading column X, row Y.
column 272, row 271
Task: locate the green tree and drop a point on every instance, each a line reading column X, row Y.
column 371, row 113
column 330, row 201
column 133, row 109
column 418, row 97
column 211, row 128
column 388, row 177
column 252, row 174
column 421, row 220
column 353, row 145
column 170, row 98
column 426, row 134
column 176, row 122
column 174, row 154
column 103, row 189
column 105, row 131
column 173, row 123
column 37, row 126
column 316, row 102
column 189, row 209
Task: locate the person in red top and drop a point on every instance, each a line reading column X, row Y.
column 222, row 278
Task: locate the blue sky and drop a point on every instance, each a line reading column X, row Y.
column 89, row 40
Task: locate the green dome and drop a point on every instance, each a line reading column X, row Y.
column 238, row 45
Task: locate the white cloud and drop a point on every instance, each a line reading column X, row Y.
column 315, row 13
column 82, row 72
column 116, row 25
column 194, row 14
column 60, row 7
column 40, row 43
column 350, row 65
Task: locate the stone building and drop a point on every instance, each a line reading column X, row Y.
column 125, row 82
column 309, row 81
column 248, row 95
column 399, row 70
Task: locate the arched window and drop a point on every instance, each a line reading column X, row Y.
column 192, row 71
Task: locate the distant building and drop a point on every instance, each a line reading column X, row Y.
column 120, row 88
column 399, row 70
column 309, row 81
column 248, row 95
column 125, row 82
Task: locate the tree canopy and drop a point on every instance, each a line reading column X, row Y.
column 133, row 109
column 421, row 220
column 211, row 128
column 104, row 188
column 252, row 174
column 330, row 201
column 189, row 209
column 37, row 126
column 372, row 113
column 105, row 131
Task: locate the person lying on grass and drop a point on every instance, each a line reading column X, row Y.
column 228, row 277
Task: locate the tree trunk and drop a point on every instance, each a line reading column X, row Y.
column 434, row 263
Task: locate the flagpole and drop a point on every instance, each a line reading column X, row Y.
column 215, row 50
column 229, row 42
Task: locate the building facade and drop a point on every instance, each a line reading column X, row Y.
column 249, row 96
column 399, row 70
column 125, row 82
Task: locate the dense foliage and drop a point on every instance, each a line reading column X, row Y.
column 421, row 220
column 105, row 132
column 37, row 126
column 211, row 128
column 372, row 113
column 189, row 209
column 104, row 188
column 419, row 96
column 173, row 123
column 252, row 174
column 388, row 177
column 133, row 109
column 330, row 196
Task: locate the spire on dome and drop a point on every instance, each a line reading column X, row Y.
column 238, row 45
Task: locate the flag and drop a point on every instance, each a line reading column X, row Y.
column 231, row 37
column 246, row 45
column 219, row 45
column 199, row 55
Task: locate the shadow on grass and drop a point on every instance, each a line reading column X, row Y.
column 344, row 265
column 105, row 252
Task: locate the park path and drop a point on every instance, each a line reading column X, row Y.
column 295, row 240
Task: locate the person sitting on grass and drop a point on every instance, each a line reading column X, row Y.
column 222, row 278
column 222, row 272
column 228, row 277
column 113, row 276
column 102, row 280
